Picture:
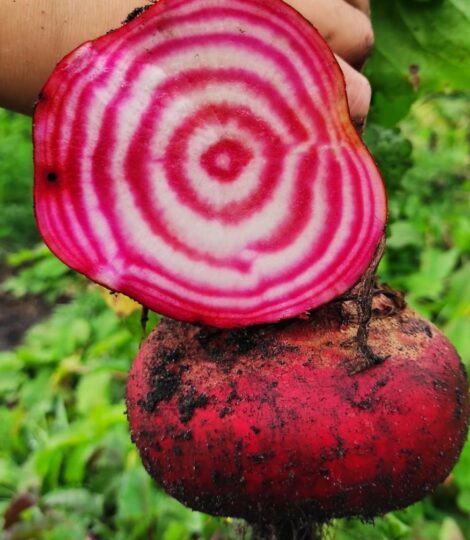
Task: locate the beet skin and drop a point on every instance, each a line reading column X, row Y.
column 273, row 419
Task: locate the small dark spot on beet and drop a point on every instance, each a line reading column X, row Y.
column 255, row 430
column 188, row 403
column 324, row 472
column 365, row 404
column 205, row 335
column 169, row 356
column 308, row 363
column 385, row 479
column 224, row 412
column 340, row 448
column 380, row 383
column 412, row 326
column 243, row 339
column 177, row 490
column 339, row 500
column 439, row 385
column 267, row 484
column 406, row 451
column 216, row 477
column 233, row 396
column 163, row 387
column 459, row 403
column 170, row 430
column 184, row 435
column 51, row 176
column 262, row 456
column 177, row 451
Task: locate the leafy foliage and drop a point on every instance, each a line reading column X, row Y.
column 17, row 226
column 429, row 225
column 38, row 273
column 67, row 466
column 64, row 439
column 422, row 47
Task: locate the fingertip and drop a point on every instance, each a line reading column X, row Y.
column 364, row 44
column 363, row 5
column 358, row 90
column 359, row 96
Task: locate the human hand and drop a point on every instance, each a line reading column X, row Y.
column 35, row 35
column 346, row 27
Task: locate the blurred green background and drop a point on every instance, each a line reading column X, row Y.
column 68, row 470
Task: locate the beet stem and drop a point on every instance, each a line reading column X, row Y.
column 144, row 319
column 365, row 296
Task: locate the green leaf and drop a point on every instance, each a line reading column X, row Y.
column 76, row 462
column 76, row 500
column 436, row 265
column 8, row 477
column 27, row 255
column 93, row 391
column 81, row 330
column 391, row 151
column 450, row 530
column 458, row 331
column 457, row 302
column 17, row 224
column 133, row 496
column 403, row 233
column 420, row 47
column 36, row 396
column 463, row 500
column 70, row 531
column 175, row 531
column 10, row 381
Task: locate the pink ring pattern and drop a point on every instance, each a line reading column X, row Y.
column 201, row 159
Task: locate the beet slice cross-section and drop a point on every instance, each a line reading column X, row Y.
column 201, row 159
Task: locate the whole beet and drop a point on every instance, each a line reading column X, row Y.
column 278, row 419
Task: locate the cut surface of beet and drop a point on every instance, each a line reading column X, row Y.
column 201, row 159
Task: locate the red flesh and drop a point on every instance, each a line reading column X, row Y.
column 201, row 159
column 270, row 420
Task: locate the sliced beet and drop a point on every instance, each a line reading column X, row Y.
column 201, row 159
column 275, row 423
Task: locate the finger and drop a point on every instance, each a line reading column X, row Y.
column 363, row 5
column 358, row 91
column 346, row 29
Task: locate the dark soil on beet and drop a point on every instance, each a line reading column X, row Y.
column 18, row 314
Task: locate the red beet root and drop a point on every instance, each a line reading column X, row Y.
column 201, row 160
column 271, row 420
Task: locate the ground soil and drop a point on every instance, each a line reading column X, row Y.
column 18, row 314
